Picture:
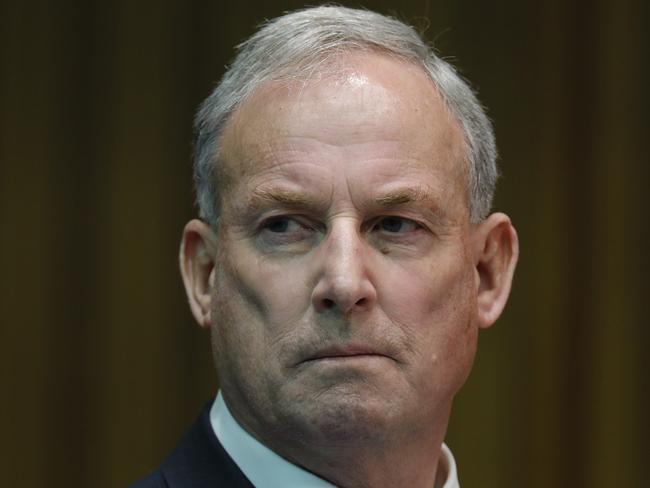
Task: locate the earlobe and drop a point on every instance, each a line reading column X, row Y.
column 497, row 251
column 197, row 259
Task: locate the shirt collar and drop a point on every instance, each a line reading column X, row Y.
column 266, row 469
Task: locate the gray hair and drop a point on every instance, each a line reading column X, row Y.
column 297, row 44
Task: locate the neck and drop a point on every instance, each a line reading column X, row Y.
column 410, row 457
column 392, row 466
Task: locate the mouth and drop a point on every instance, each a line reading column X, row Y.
column 345, row 353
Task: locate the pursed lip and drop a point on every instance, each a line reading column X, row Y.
column 345, row 352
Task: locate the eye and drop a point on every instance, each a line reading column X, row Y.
column 395, row 225
column 281, row 225
column 285, row 230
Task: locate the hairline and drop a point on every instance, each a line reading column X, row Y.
column 455, row 92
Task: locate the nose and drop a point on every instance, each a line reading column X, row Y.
column 344, row 283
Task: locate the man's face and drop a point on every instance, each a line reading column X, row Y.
column 344, row 288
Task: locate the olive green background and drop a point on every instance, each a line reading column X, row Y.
column 102, row 367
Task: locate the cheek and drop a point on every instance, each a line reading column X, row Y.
column 257, row 308
column 429, row 297
column 276, row 292
column 436, row 306
column 258, row 298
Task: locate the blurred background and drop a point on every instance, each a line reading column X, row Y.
column 102, row 366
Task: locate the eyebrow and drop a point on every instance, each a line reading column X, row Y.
column 405, row 195
column 261, row 198
column 418, row 194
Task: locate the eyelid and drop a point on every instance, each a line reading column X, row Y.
column 417, row 223
column 309, row 222
column 269, row 224
column 296, row 217
column 305, row 223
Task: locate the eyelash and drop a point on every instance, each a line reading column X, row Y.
column 403, row 221
column 266, row 224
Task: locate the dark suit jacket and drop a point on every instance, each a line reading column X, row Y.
column 199, row 461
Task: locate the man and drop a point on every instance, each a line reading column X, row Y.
column 345, row 259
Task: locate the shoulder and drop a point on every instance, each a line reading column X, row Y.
column 153, row 480
column 198, row 461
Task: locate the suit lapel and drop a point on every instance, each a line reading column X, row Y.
column 199, row 461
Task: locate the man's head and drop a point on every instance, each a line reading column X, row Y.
column 306, row 44
column 352, row 263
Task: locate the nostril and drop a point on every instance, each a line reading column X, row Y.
column 361, row 302
column 328, row 303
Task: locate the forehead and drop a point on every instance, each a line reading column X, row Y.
column 366, row 106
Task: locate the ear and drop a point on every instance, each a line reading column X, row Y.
column 496, row 249
column 197, row 258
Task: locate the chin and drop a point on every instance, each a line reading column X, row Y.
column 342, row 415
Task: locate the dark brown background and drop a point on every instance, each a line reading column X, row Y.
column 102, row 366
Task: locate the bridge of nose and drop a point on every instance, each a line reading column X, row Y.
column 343, row 280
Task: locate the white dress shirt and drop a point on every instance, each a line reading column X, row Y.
column 265, row 469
